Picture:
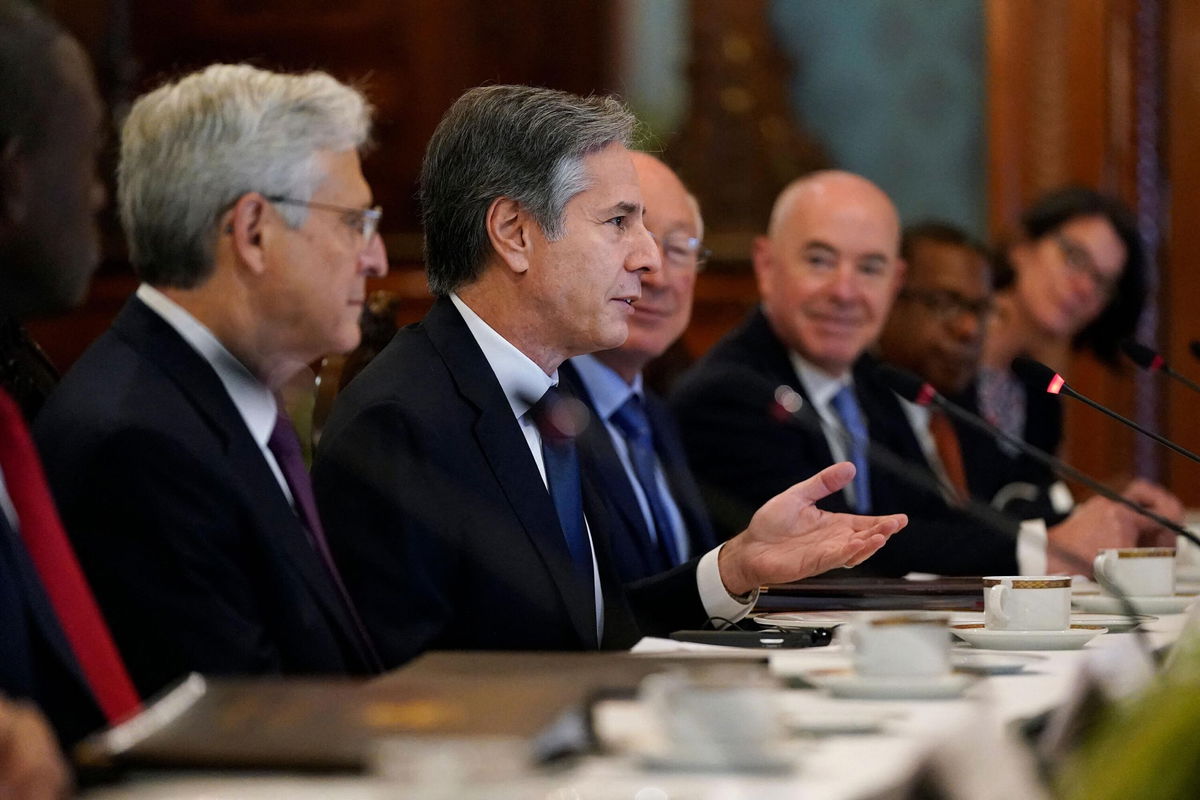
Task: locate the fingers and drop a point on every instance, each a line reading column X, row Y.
column 824, row 483
column 868, row 549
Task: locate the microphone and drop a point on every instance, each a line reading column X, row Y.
column 1151, row 361
column 1036, row 372
column 912, row 388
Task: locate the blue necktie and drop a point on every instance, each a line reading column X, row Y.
column 846, row 406
column 563, row 476
column 631, row 420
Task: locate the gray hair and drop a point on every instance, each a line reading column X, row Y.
column 191, row 148
column 29, row 76
column 519, row 142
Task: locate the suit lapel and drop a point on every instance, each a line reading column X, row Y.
column 504, row 446
column 148, row 333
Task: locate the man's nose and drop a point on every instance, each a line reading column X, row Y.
column 373, row 258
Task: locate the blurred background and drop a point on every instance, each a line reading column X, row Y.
column 960, row 109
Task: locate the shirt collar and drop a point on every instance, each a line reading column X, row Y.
column 253, row 400
column 608, row 390
column 523, row 381
column 819, row 384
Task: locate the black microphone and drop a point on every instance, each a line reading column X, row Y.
column 1152, row 361
column 913, row 389
column 1037, row 373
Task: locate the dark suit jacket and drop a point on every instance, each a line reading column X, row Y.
column 36, row 661
column 745, row 448
column 195, row 554
column 446, row 533
column 633, row 550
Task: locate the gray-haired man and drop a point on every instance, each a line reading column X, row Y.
column 459, row 508
column 251, row 225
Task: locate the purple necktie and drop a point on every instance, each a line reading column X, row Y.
column 285, row 446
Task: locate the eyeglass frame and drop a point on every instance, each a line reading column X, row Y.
column 369, row 218
column 700, row 253
column 947, row 305
column 1079, row 260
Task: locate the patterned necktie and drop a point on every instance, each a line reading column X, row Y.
column 631, row 420
column 949, row 451
column 285, row 446
column 563, row 476
column 54, row 559
column 845, row 404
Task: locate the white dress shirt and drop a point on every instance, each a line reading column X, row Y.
column 523, row 383
column 255, row 403
column 821, row 387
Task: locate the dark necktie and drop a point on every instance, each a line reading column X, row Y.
column 949, row 451
column 631, row 420
column 563, row 477
column 285, row 446
column 54, row 559
column 845, row 404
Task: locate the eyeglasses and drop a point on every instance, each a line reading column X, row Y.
column 364, row 220
column 947, row 306
column 681, row 251
column 1080, row 261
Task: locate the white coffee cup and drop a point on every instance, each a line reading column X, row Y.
column 1137, row 571
column 900, row 643
column 725, row 717
column 1027, row 603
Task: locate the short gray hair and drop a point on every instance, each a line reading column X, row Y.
column 191, row 148
column 519, row 142
column 29, row 76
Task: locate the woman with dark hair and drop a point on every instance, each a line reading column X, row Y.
column 1073, row 280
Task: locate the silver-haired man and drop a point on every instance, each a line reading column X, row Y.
column 464, row 516
column 178, row 476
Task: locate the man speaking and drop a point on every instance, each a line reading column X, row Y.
column 447, row 472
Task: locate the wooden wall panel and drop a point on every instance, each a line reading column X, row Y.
column 1181, row 272
column 1063, row 83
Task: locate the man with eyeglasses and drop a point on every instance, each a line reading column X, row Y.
column 936, row 330
column 634, row 441
column 178, row 474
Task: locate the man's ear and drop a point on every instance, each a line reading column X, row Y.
column 901, row 276
column 14, row 184
column 245, row 224
column 509, row 228
column 761, row 256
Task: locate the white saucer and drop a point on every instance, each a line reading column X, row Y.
column 836, row 721
column 691, row 759
column 1116, row 623
column 848, row 683
column 1073, row 638
column 993, row 663
column 1107, row 604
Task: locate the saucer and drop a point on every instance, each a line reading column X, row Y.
column 688, row 758
column 1107, row 604
column 993, row 663
column 1116, row 623
column 848, row 683
column 839, row 721
column 1073, row 638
